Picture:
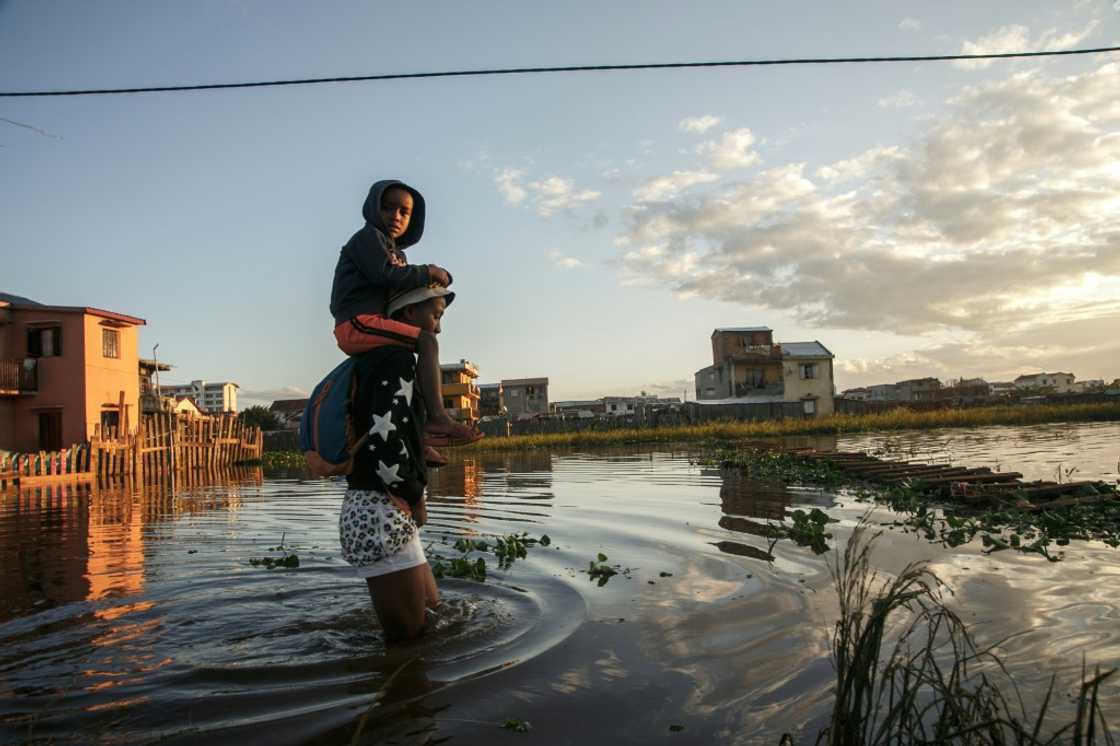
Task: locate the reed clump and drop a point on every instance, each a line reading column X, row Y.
column 724, row 430
column 933, row 685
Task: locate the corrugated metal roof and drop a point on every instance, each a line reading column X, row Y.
column 804, row 349
column 743, row 329
column 776, row 399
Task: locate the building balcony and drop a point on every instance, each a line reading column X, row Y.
column 770, row 389
column 19, row 377
column 461, row 389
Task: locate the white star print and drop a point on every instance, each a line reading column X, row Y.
column 382, row 426
column 406, row 391
column 388, row 474
column 384, row 383
column 404, row 450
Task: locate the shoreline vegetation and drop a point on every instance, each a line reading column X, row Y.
column 730, row 430
column 735, row 430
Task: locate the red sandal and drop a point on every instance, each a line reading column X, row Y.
column 454, row 434
column 433, row 458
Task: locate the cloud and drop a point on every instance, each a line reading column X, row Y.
column 900, row 100
column 555, row 194
column 669, row 186
column 698, row 124
column 1087, row 348
column 509, row 185
column 1002, row 214
column 734, row 150
column 1015, row 38
column 564, row 262
column 910, row 24
column 547, row 196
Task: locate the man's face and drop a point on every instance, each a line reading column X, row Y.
column 396, row 211
column 426, row 315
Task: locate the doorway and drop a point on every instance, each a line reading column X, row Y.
column 50, row 431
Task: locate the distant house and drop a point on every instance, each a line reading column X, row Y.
column 491, row 400
column 918, row 389
column 460, row 394
column 581, row 408
column 1088, row 386
column 967, row 391
column 211, row 397
column 289, row 412
column 1058, row 383
column 186, row 406
column 747, row 365
column 149, row 392
column 1002, row 389
column 525, row 397
column 883, row 392
column 858, row 394
column 64, row 371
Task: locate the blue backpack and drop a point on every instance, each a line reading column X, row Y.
column 326, row 430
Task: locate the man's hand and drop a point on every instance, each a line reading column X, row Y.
column 420, row 512
column 439, row 275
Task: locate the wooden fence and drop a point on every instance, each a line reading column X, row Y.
column 162, row 444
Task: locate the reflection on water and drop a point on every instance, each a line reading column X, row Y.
column 132, row 613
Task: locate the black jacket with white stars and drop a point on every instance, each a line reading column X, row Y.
column 388, row 405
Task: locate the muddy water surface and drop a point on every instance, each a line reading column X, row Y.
column 132, row 616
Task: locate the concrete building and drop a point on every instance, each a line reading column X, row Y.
column 807, row 377
column 1058, row 383
column 883, row 392
column 584, row 408
column 747, row 365
column 918, row 389
column 289, row 412
column 460, row 394
column 211, row 398
column 64, row 371
column 966, row 391
column 149, row 374
column 525, row 397
column 491, row 400
column 858, row 393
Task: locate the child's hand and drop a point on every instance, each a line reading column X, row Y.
column 439, row 275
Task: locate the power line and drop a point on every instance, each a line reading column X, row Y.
column 559, row 69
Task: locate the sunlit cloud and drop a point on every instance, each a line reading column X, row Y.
column 1001, row 215
column 1016, row 38
column 561, row 261
column 555, row 194
column 664, row 187
column 698, row 124
column 732, row 151
column 509, row 185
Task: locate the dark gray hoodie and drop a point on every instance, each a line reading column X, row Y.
column 366, row 273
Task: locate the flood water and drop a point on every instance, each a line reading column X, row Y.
column 134, row 616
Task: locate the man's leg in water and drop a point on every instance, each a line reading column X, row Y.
column 427, row 371
column 399, row 598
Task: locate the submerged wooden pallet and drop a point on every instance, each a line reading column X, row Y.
column 964, row 484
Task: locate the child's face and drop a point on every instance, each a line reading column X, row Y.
column 396, row 211
column 426, row 315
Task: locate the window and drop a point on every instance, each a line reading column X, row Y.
column 515, row 393
column 110, row 343
column 809, row 406
column 448, row 404
column 44, row 341
column 808, row 370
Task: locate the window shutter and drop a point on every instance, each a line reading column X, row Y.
column 58, row 340
column 34, row 343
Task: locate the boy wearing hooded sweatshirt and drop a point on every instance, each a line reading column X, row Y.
column 371, row 266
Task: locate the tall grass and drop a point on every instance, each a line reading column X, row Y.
column 895, row 419
column 933, row 686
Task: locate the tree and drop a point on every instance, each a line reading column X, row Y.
column 262, row 417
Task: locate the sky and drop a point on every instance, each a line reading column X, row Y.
column 952, row 219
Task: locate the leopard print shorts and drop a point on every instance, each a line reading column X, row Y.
column 376, row 536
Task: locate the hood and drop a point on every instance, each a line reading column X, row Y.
column 371, row 211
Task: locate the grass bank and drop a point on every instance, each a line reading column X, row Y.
column 897, row 419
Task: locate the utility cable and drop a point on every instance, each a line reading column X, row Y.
column 559, row 69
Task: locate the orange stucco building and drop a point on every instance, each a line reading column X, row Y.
column 63, row 371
